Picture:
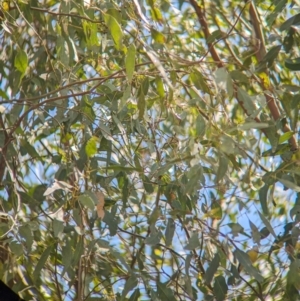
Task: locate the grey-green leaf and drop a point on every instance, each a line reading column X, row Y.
column 212, row 269
column 130, row 62
column 170, row 231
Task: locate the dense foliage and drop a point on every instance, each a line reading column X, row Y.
column 146, row 145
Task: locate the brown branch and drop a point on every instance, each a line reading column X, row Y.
column 259, row 37
column 202, row 20
column 4, row 148
column 65, row 14
column 260, row 54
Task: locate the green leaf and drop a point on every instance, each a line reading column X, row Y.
column 295, row 20
column 280, row 5
column 21, row 61
column 198, row 80
column 67, row 254
column 147, row 185
column 220, row 288
column 103, row 244
column 229, row 86
column 156, row 14
column 279, row 150
column 91, row 146
column 90, row 31
column 160, row 87
column 16, row 248
column 222, row 168
column 212, row 269
column 157, row 36
column 290, row 185
column 112, row 223
column 26, row 234
column 58, row 227
column 28, row 149
column 87, row 201
column 289, row 41
column 221, row 76
column 193, row 242
column 170, row 229
column 263, row 193
column 41, row 263
column 269, row 58
column 164, row 292
column 255, row 234
column 245, row 261
column 267, row 224
column 115, row 30
column 135, row 295
column 264, row 232
column 130, row 62
column 153, row 239
column 130, row 284
column 105, row 131
column 215, row 211
column 246, row 100
column 236, row 229
column 286, row 136
column 252, row 125
column 115, row 13
column 239, row 76
column 200, row 126
column 215, row 35
column 141, row 104
column 293, row 64
column 78, row 251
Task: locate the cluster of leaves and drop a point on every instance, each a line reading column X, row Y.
column 143, row 143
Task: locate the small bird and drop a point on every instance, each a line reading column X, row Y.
column 253, row 255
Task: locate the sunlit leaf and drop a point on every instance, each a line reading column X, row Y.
column 130, row 61
column 21, row 61
column 91, row 146
column 115, row 30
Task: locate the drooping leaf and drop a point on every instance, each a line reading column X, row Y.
column 220, row 288
column 245, row 261
column 130, row 284
column 115, row 30
column 212, row 269
column 157, row 36
column 193, row 242
column 91, row 146
column 87, row 201
column 164, row 292
column 21, row 61
column 170, row 231
column 58, row 227
column 263, row 193
column 41, row 263
column 267, row 224
column 293, row 64
column 290, row 185
column 130, row 62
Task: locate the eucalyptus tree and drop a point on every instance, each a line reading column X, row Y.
column 146, row 146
